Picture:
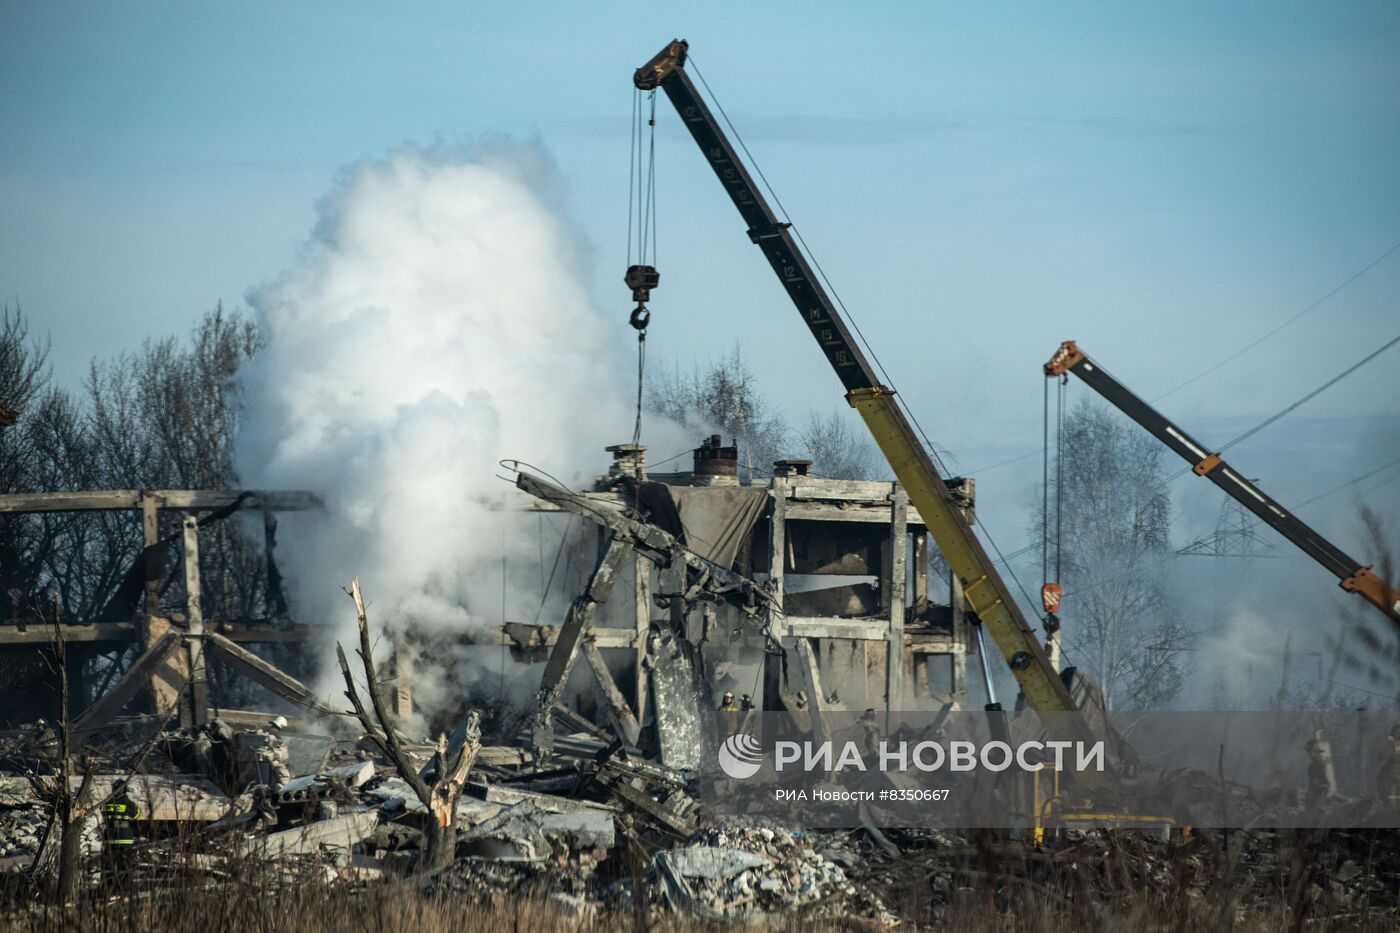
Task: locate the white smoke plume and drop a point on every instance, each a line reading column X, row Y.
column 436, row 321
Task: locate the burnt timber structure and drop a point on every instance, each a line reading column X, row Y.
column 807, row 644
column 770, row 624
column 169, row 673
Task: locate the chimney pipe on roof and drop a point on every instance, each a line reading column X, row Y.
column 715, row 464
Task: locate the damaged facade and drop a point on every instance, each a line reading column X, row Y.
column 845, row 622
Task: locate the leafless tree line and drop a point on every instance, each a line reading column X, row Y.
column 161, row 417
column 724, row 397
column 1113, row 534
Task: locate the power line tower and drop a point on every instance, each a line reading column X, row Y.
column 1234, row 536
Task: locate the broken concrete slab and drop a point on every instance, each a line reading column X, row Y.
column 301, row 788
column 395, row 796
column 352, row 775
column 594, row 830
column 512, row 835
column 341, row 833
column 711, row 862
column 502, row 794
column 676, row 707
column 185, row 797
column 16, row 791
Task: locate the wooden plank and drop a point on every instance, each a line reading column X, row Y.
column 151, row 556
column 898, row 570
column 194, row 620
column 818, row 627
column 565, row 651
column 641, row 596
column 669, row 819
column 830, row 512
column 198, row 500
column 118, row 632
column 268, row 675
column 86, row 634
column 626, row 723
column 111, row 702
column 257, row 631
column 70, row 501
column 817, row 701
column 849, row 490
column 931, row 643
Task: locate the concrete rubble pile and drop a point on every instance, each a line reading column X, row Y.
column 211, row 799
column 598, row 828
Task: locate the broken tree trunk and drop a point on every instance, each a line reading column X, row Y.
column 440, row 799
column 69, row 806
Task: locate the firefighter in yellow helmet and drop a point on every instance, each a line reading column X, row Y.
column 730, row 714
column 119, row 816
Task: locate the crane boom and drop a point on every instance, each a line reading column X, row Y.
column 1353, row 576
column 985, row 592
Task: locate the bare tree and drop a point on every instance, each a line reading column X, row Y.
column 70, row 807
column 439, row 798
column 838, row 451
column 723, row 398
column 162, row 417
column 1119, row 625
column 1366, row 647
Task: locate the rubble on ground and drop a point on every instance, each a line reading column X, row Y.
column 597, row 819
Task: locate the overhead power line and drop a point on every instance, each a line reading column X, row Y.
column 1349, row 483
column 1315, row 392
column 1312, row 307
column 1311, row 395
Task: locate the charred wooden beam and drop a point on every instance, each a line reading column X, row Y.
column 251, row 631
column 625, row 722
column 126, row 687
column 185, row 500
column 658, row 546
column 268, row 675
column 565, row 652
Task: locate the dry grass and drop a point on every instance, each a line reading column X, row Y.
column 1112, row 883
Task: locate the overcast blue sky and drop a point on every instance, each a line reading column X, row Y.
column 1161, row 182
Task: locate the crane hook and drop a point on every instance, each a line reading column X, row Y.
column 641, row 279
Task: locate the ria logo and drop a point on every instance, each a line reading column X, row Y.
column 740, row 756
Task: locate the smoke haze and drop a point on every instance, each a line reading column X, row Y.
column 436, row 322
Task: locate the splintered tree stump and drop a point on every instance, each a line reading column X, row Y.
column 450, row 776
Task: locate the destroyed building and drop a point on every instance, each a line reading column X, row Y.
column 845, row 569
column 844, row 565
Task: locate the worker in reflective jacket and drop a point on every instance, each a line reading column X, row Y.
column 729, row 716
column 119, row 816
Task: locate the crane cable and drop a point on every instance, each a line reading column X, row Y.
column 974, row 518
column 641, row 197
column 1051, row 587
